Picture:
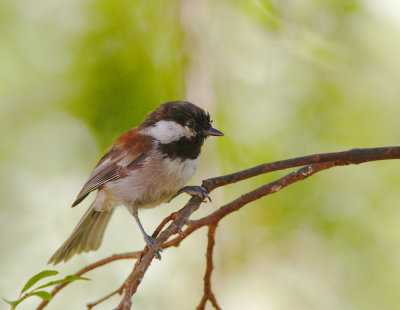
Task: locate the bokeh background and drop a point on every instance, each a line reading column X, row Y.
column 280, row 78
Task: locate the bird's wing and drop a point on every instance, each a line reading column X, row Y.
column 124, row 156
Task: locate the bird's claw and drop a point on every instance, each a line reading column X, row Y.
column 180, row 232
column 150, row 244
column 198, row 191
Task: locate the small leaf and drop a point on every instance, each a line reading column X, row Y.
column 15, row 302
column 42, row 294
column 8, row 301
column 37, row 277
column 69, row 278
column 11, row 303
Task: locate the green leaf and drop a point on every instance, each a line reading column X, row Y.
column 37, row 277
column 8, row 301
column 42, row 294
column 14, row 303
column 69, row 278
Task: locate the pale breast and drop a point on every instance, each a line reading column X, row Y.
column 155, row 182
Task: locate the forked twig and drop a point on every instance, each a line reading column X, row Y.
column 207, row 292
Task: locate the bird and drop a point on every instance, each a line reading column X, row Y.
column 146, row 166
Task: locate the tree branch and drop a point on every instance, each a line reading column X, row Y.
column 313, row 164
column 88, row 268
column 208, row 294
column 354, row 156
column 143, row 263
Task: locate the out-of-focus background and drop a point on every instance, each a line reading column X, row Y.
column 280, row 78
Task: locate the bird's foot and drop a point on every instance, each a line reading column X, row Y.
column 198, row 191
column 150, row 244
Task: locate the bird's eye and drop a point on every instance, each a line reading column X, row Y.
column 191, row 123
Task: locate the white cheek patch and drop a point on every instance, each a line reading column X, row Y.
column 167, row 131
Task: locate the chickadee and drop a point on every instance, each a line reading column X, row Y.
column 144, row 167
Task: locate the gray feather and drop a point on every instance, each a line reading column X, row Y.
column 109, row 169
column 86, row 236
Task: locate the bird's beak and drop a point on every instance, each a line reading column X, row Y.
column 213, row 132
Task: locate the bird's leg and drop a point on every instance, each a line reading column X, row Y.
column 147, row 238
column 199, row 191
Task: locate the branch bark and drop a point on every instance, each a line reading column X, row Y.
column 88, row 268
column 313, row 164
column 354, row 156
column 208, row 294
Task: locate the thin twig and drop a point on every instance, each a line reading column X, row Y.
column 354, row 156
column 88, row 268
column 164, row 222
column 258, row 193
column 99, row 301
column 208, row 294
column 141, row 266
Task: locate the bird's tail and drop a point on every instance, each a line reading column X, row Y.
column 86, row 236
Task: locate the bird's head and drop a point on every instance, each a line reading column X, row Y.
column 177, row 120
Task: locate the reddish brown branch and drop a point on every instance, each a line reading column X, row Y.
column 126, row 255
column 258, row 193
column 141, row 266
column 164, row 222
column 182, row 216
column 208, row 294
column 90, row 267
column 95, row 303
column 264, row 190
column 354, row 156
column 316, row 163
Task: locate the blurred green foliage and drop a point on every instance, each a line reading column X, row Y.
column 127, row 61
column 282, row 79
